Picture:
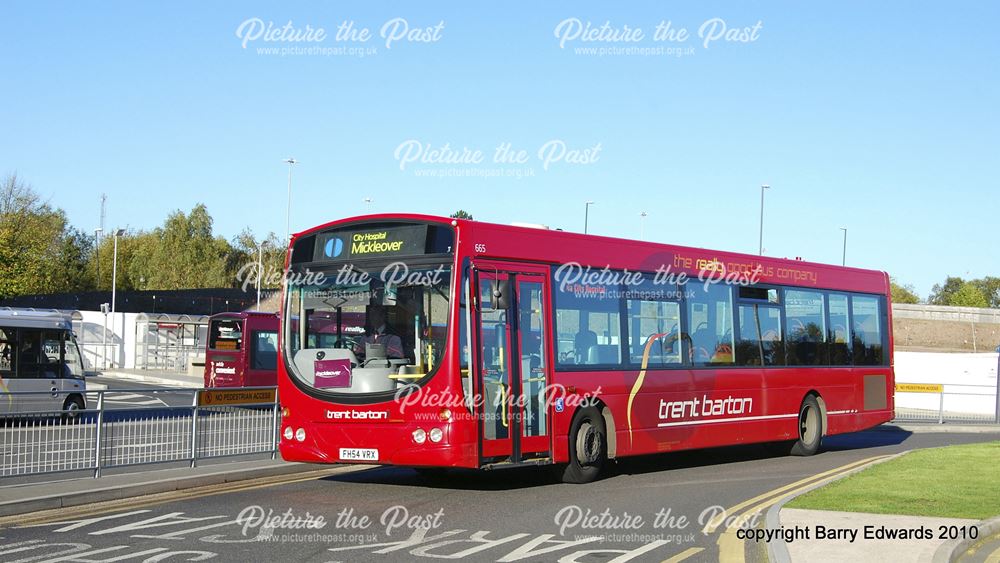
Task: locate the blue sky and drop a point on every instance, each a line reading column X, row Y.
column 881, row 118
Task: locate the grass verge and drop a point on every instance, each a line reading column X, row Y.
column 953, row 481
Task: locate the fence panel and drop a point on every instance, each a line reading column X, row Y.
column 123, row 428
column 948, row 403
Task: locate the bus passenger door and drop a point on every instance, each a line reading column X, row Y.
column 9, row 383
column 513, row 364
column 494, row 377
column 532, row 375
column 39, row 361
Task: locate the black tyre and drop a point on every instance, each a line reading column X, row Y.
column 588, row 447
column 810, row 428
column 72, row 407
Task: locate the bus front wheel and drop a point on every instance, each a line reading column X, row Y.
column 810, row 428
column 588, row 447
column 72, row 407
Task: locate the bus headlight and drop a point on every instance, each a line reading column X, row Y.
column 436, row 434
column 300, row 434
column 288, row 433
column 419, row 436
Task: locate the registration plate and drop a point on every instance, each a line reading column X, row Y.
column 359, row 454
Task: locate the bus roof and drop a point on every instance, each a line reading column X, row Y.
column 242, row 315
column 548, row 245
column 24, row 318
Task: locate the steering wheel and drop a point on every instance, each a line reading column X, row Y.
column 345, row 342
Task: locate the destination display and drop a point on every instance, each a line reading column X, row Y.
column 407, row 240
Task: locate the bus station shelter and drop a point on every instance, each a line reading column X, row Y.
column 170, row 342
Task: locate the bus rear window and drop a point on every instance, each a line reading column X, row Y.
column 225, row 334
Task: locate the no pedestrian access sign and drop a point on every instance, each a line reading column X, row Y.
column 919, row 388
column 214, row 397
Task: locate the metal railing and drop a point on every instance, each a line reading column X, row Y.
column 122, row 428
column 950, row 402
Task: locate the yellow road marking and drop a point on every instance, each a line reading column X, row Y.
column 715, row 523
column 731, row 548
column 58, row 514
column 993, row 557
column 684, row 555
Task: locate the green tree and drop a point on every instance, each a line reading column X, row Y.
column 39, row 252
column 71, row 270
column 182, row 254
column 941, row 294
column 990, row 287
column 969, row 295
column 903, row 293
column 247, row 250
column 461, row 214
column 135, row 252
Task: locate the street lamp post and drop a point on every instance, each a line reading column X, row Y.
column 288, row 209
column 642, row 225
column 586, row 216
column 114, row 290
column 368, row 204
column 843, row 257
column 761, row 247
column 260, row 269
column 114, row 270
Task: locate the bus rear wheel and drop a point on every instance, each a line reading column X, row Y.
column 588, row 447
column 810, row 425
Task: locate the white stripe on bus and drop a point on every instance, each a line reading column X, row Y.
column 733, row 419
column 743, row 418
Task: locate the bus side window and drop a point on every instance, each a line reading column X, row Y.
column 840, row 338
column 806, row 325
column 867, row 330
column 710, row 324
column 588, row 325
column 8, row 352
column 51, row 360
column 29, row 354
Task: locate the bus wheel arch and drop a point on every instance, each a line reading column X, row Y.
column 609, row 425
column 609, row 429
column 822, row 409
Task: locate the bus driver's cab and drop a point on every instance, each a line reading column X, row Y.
column 400, row 340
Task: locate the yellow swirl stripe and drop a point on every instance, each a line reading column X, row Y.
column 639, row 380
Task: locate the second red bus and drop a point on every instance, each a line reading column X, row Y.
column 242, row 350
